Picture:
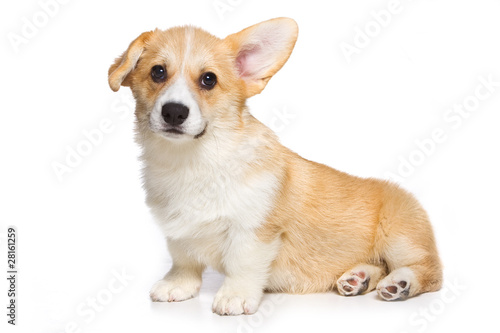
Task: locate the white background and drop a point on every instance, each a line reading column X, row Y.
column 362, row 116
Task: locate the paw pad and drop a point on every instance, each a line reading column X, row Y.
column 395, row 291
column 353, row 283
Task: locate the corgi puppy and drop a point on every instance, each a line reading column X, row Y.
column 227, row 194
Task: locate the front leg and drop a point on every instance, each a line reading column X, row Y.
column 247, row 268
column 182, row 282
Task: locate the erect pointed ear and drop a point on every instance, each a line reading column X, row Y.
column 118, row 72
column 261, row 50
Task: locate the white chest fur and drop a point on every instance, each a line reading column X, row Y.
column 208, row 196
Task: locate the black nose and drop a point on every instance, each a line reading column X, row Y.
column 174, row 113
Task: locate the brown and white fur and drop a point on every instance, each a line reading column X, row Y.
column 228, row 195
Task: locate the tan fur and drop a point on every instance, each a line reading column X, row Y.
column 324, row 222
column 330, row 221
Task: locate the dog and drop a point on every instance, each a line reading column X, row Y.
column 228, row 195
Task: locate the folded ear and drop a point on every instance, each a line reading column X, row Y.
column 261, row 50
column 118, row 72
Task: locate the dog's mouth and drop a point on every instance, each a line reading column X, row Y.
column 199, row 135
column 174, row 131
column 178, row 132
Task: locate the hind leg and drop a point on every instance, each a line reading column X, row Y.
column 405, row 242
column 360, row 280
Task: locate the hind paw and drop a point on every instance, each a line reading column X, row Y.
column 393, row 290
column 353, row 283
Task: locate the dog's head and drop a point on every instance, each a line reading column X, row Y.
column 186, row 81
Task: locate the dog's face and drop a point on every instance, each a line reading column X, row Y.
column 187, row 82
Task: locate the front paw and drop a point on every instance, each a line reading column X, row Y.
column 167, row 290
column 226, row 304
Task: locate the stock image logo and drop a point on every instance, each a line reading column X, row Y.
column 93, row 306
column 32, row 25
column 453, row 119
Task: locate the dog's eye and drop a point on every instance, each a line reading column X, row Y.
column 158, row 73
column 208, row 80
